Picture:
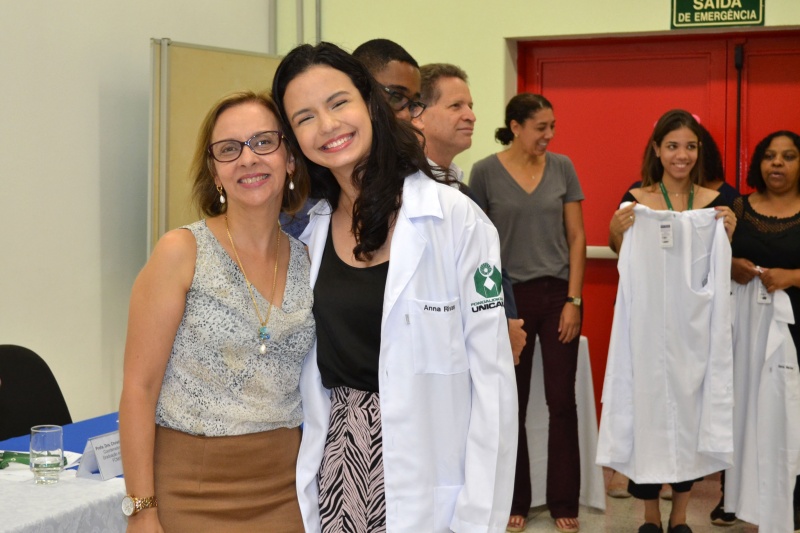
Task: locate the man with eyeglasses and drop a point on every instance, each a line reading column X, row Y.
column 397, row 72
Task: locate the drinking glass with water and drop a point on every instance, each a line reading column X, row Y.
column 47, row 454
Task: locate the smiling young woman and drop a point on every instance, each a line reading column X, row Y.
column 672, row 174
column 653, row 411
column 410, row 419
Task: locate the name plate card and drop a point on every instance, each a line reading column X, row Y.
column 101, row 457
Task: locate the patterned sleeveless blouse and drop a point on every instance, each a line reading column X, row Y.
column 216, row 382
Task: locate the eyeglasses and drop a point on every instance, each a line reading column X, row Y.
column 262, row 143
column 399, row 101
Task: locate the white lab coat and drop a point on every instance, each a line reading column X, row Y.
column 766, row 420
column 446, row 375
column 667, row 397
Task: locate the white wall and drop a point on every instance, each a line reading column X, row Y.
column 74, row 111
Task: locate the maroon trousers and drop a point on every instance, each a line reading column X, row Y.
column 539, row 304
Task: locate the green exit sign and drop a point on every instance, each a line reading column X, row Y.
column 716, row 13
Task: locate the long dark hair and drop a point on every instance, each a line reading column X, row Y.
column 652, row 168
column 394, row 154
column 712, row 158
column 755, row 178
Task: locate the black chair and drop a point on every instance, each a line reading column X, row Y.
column 29, row 393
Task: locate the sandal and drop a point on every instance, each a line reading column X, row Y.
column 516, row 523
column 567, row 525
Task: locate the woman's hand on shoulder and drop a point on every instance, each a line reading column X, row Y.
column 723, row 211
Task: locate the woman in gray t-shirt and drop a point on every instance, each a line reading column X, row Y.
column 534, row 199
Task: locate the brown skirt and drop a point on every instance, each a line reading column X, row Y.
column 228, row 484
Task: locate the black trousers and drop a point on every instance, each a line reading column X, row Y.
column 540, row 303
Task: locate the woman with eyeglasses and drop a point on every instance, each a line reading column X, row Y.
column 408, row 396
column 220, row 322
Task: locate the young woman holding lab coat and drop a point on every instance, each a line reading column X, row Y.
column 412, row 375
column 663, row 429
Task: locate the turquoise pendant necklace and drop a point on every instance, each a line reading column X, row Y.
column 263, row 332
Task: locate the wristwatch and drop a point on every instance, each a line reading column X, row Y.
column 575, row 300
column 132, row 505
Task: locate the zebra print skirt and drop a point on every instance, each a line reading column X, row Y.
column 351, row 496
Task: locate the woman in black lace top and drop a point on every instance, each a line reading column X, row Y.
column 767, row 239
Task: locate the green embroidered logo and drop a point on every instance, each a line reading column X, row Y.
column 488, row 281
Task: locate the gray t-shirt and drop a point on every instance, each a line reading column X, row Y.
column 533, row 239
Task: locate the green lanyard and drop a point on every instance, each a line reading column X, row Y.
column 18, row 457
column 666, row 196
column 13, row 457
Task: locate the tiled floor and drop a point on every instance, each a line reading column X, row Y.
column 626, row 515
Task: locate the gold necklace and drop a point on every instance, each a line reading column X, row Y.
column 263, row 332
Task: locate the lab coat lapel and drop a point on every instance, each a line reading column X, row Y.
column 403, row 261
column 420, row 199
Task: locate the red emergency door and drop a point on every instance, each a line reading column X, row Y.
column 607, row 95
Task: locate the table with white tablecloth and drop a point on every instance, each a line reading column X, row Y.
column 73, row 505
column 593, row 492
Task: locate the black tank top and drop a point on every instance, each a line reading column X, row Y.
column 348, row 306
